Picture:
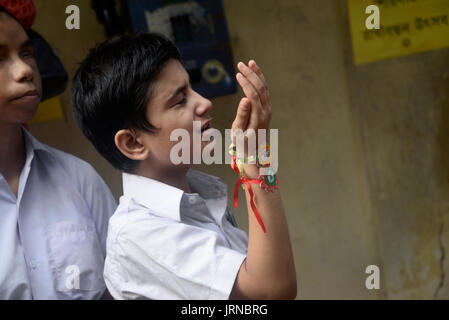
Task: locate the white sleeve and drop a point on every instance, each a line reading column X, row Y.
column 165, row 259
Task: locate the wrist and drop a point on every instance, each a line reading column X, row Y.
column 251, row 171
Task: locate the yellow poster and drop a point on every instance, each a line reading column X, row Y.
column 50, row 109
column 406, row 27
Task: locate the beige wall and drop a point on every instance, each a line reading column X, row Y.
column 400, row 107
column 362, row 169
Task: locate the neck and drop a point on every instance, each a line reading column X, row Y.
column 175, row 177
column 12, row 150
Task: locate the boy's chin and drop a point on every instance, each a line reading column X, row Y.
column 21, row 117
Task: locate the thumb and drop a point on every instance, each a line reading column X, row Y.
column 242, row 117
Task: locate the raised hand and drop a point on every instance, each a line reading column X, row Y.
column 254, row 110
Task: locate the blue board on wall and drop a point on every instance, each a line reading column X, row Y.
column 199, row 30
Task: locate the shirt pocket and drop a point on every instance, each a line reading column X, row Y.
column 76, row 257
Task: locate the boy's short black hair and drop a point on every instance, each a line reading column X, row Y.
column 112, row 87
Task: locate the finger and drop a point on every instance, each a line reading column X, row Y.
column 240, row 124
column 243, row 113
column 256, row 82
column 253, row 65
column 251, row 94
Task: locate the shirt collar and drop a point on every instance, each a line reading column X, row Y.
column 32, row 144
column 207, row 186
column 165, row 199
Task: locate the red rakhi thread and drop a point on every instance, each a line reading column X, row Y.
column 247, row 182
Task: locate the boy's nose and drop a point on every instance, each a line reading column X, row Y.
column 203, row 106
column 21, row 71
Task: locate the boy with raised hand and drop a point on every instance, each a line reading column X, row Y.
column 54, row 208
column 172, row 235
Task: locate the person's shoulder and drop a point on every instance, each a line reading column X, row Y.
column 78, row 172
column 131, row 218
column 58, row 159
column 76, row 168
column 70, row 162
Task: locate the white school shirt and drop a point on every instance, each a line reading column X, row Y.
column 53, row 234
column 166, row 244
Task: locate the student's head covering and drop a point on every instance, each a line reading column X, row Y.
column 23, row 10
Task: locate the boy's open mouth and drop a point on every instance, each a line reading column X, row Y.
column 205, row 126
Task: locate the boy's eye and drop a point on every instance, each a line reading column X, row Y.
column 27, row 54
column 183, row 101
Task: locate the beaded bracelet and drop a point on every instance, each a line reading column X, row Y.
column 264, row 157
column 269, row 181
column 241, row 160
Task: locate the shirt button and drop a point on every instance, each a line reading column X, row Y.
column 33, row 264
column 192, row 200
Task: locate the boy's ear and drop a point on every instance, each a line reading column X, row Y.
column 130, row 144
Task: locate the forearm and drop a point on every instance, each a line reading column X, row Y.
column 268, row 271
